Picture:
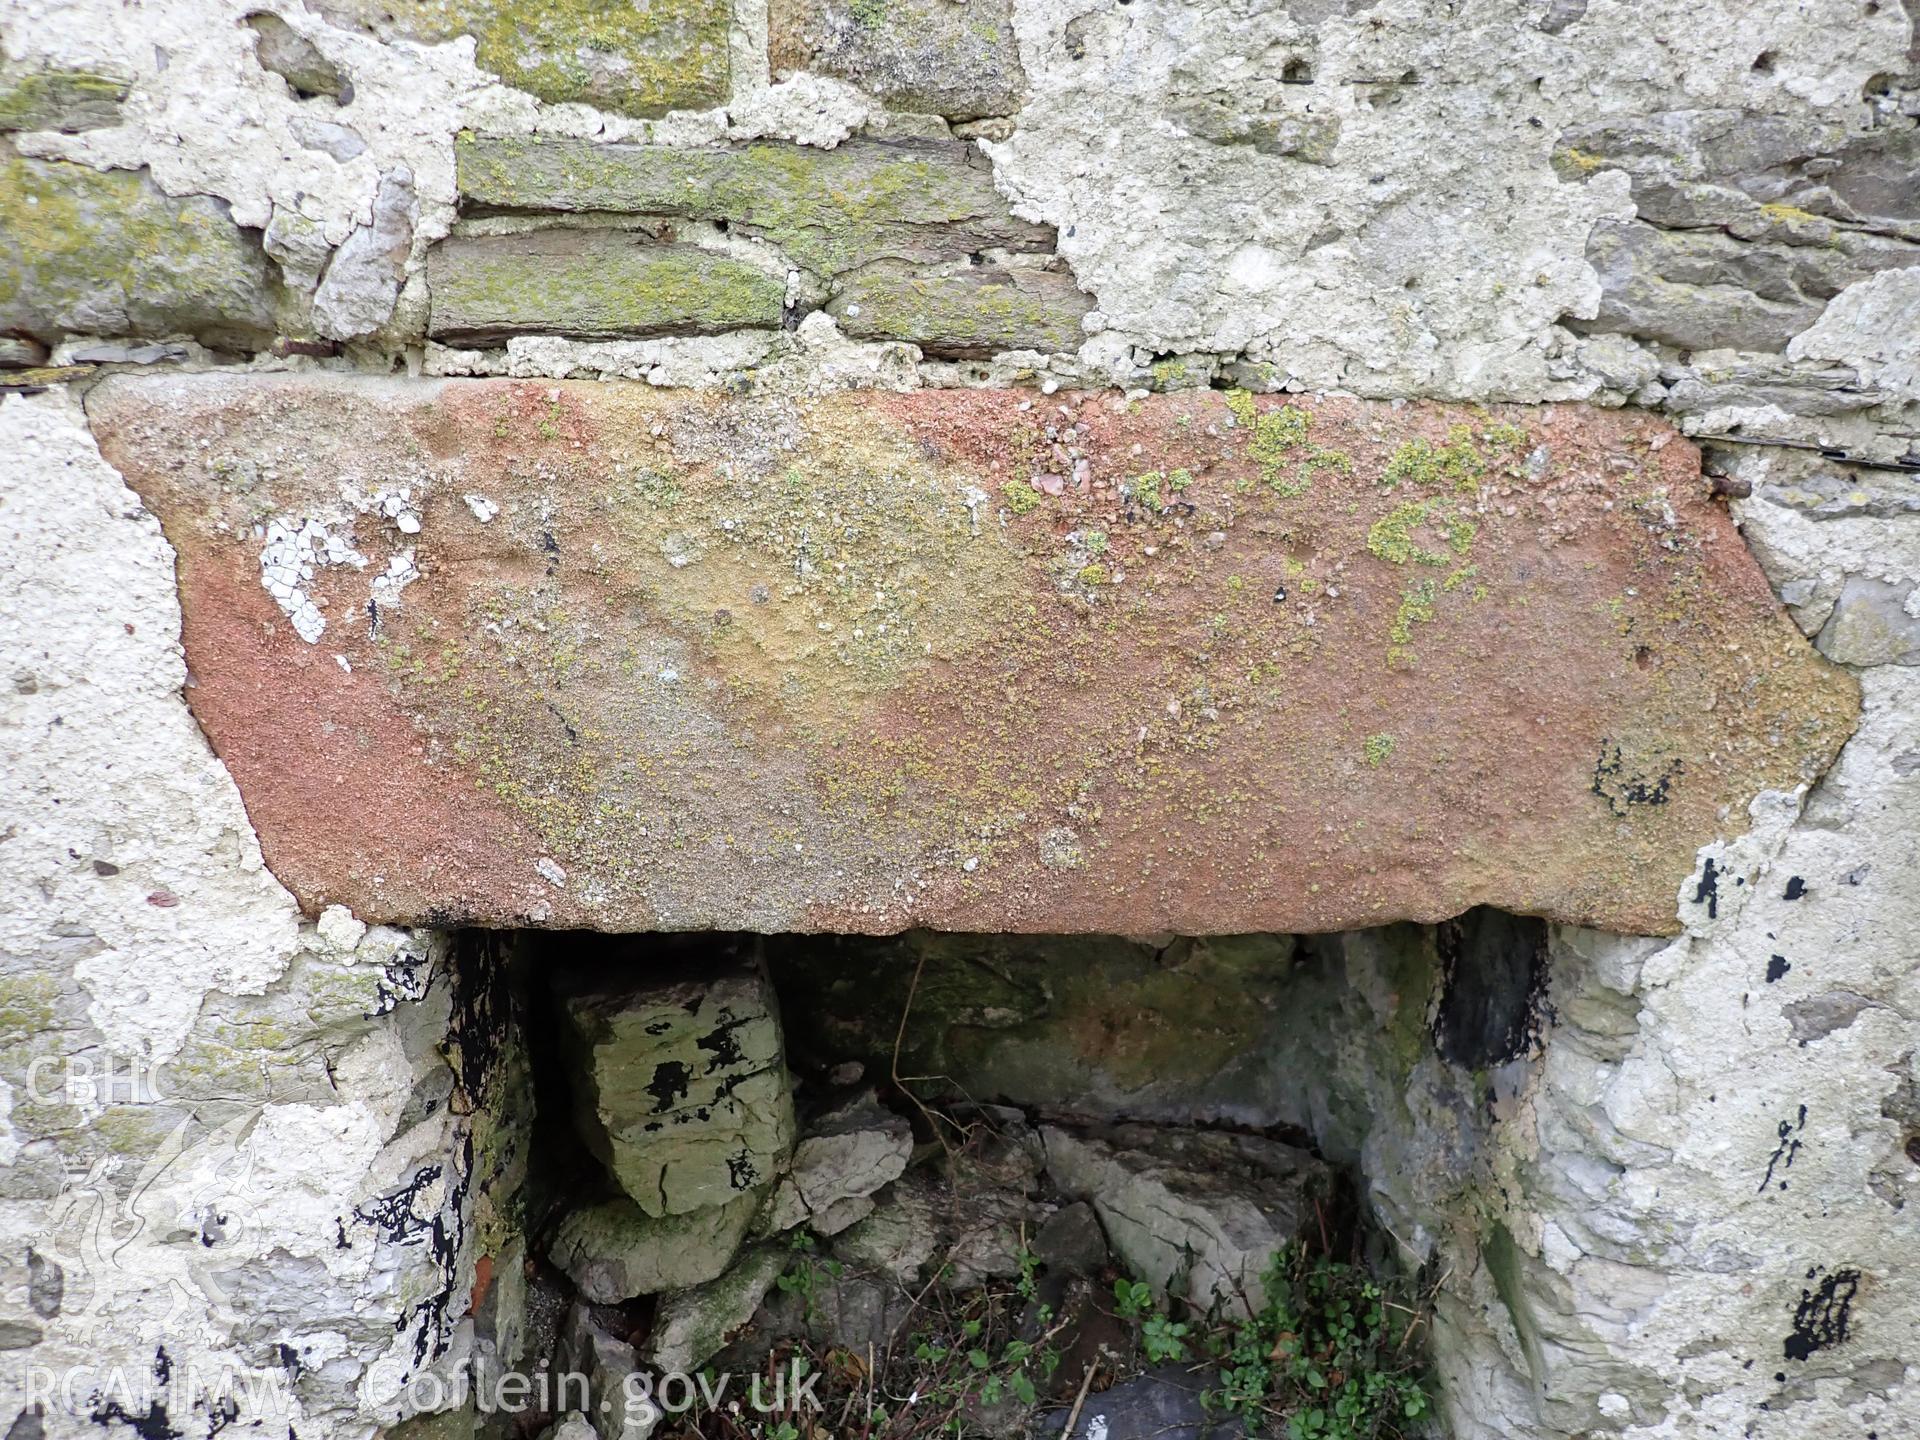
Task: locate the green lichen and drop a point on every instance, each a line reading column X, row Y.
column 829, row 211
column 27, row 1006
column 60, row 100
column 1277, row 434
column 1579, row 159
column 1152, row 488
column 1319, row 459
column 1391, row 537
column 1456, row 463
column 107, row 251
column 1377, row 749
column 640, row 60
column 1791, row 215
column 1416, row 608
column 1021, row 497
column 1397, row 538
column 483, row 289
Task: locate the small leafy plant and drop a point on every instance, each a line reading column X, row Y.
column 802, row 1277
column 1132, row 1298
column 1163, row 1339
column 1329, row 1351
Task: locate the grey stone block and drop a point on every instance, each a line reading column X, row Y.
column 959, row 61
column 105, row 252
column 962, row 311
column 592, row 283
column 1871, row 624
column 829, row 211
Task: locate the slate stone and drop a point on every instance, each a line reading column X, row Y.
column 1705, row 290
column 1163, row 1404
column 964, row 311
column 1223, row 118
column 829, row 211
column 852, row 662
column 1747, row 224
column 638, row 60
column 846, row 1156
column 898, row 1239
column 692, row 1326
column 362, row 281
column 592, row 284
column 1845, row 494
column 106, row 252
column 1740, row 168
column 935, row 57
column 618, row 1407
column 18, row 352
column 1071, row 1241
column 65, row 100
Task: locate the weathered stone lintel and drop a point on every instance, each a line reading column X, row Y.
column 630, row 659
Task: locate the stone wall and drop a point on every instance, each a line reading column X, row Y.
column 1692, row 1212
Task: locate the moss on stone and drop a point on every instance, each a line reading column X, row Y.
column 640, row 60
column 107, row 252
column 594, row 284
column 959, row 313
column 972, row 312
column 59, row 100
column 928, row 57
column 830, row 211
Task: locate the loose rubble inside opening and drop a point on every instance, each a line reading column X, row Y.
column 976, row 1184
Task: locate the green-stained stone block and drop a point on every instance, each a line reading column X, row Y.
column 69, row 100
column 105, row 252
column 598, row 283
column 829, row 210
column 965, row 312
column 635, row 59
column 614, row 1251
column 680, row 1087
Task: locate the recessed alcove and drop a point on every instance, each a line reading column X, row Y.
column 724, row 1151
